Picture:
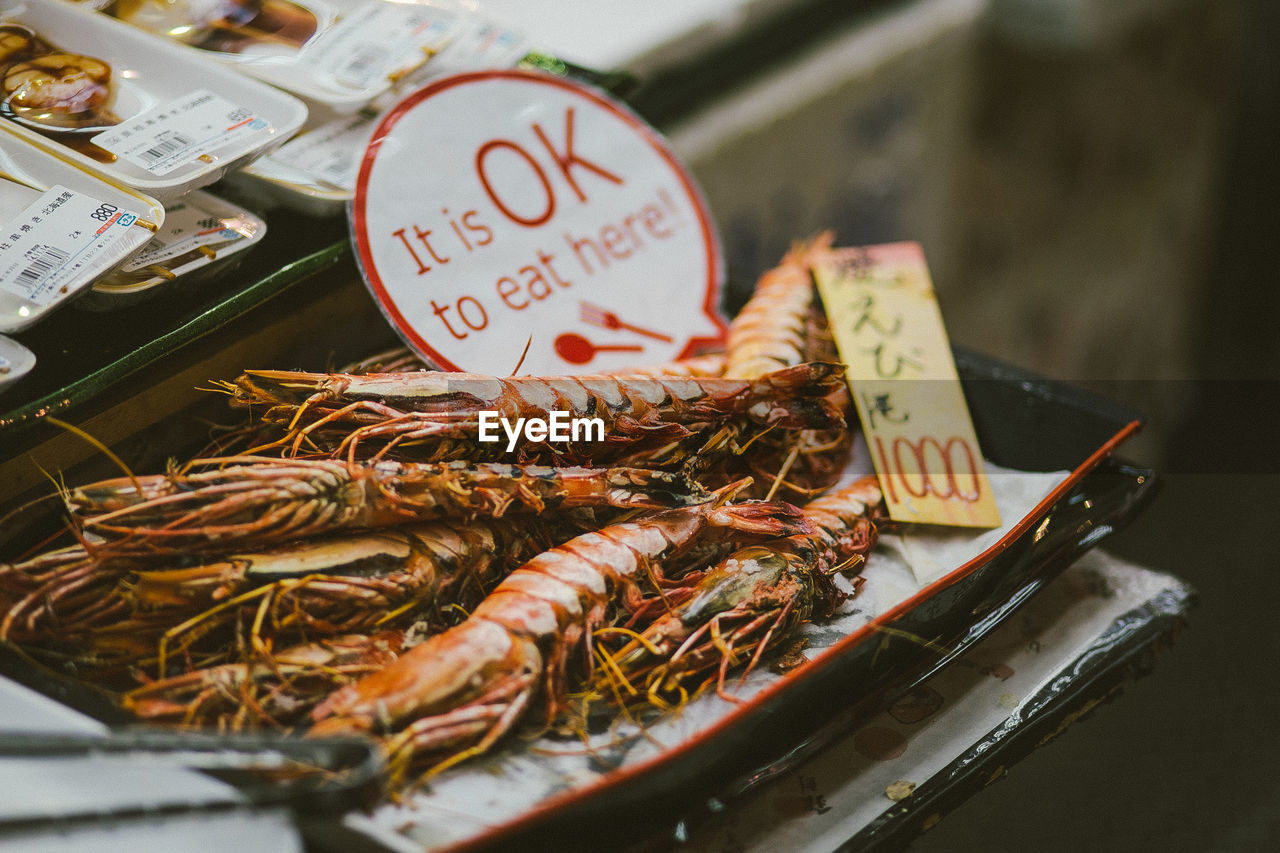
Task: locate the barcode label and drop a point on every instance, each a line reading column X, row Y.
column 47, row 259
column 365, row 65
column 186, row 228
column 331, row 153
column 59, row 244
column 367, row 50
column 200, row 126
column 171, row 144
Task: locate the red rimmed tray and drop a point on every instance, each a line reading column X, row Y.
column 1023, row 423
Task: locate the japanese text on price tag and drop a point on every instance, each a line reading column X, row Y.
column 380, row 41
column 46, row 251
column 889, row 331
column 330, row 152
column 186, row 228
column 175, row 134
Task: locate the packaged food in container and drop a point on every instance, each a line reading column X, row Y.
column 336, row 55
column 138, row 109
column 315, row 172
column 61, row 228
column 202, row 236
column 16, row 361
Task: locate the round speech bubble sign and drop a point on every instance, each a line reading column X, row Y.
column 500, row 210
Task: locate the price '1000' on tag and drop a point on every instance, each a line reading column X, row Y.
column 888, row 328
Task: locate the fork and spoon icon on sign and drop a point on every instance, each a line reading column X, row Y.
column 576, row 349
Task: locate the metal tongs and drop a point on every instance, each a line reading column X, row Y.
column 309, row 777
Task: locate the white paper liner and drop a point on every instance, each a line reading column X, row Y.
column 958, row 713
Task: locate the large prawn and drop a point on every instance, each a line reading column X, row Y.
column 782, row 325
column 461, row 690
column 272, row 689
column 744, row 606
column 404, row 360
column 437, row 415
column 223, row 504
column 423, row 574
column 349, row 582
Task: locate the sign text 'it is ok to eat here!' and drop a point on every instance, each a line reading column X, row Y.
column 561, row 219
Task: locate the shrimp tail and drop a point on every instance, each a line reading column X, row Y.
column 758, row 518
column 771, row 519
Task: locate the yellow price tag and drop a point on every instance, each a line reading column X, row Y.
column 888, row 328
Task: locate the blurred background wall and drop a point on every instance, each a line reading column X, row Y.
column 1061, row 161
column 1096, row 187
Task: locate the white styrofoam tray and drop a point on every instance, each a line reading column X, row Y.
column 16, row 361
column 201, row 236
column 26, row 172
column 379, row 41
column 150, row 72
column 315, row 171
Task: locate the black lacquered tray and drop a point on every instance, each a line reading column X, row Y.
column 1023, row 423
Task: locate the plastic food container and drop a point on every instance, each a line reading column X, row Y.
column 315, row 172
column 339, row 55
column 61, row 228
column 181, row 120
column 16, row 361
column 202, row 236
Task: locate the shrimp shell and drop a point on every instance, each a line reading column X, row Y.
column 449, row 404
column 462, row 689
column 770, row 332
column 747, row 604
column 239, row 502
